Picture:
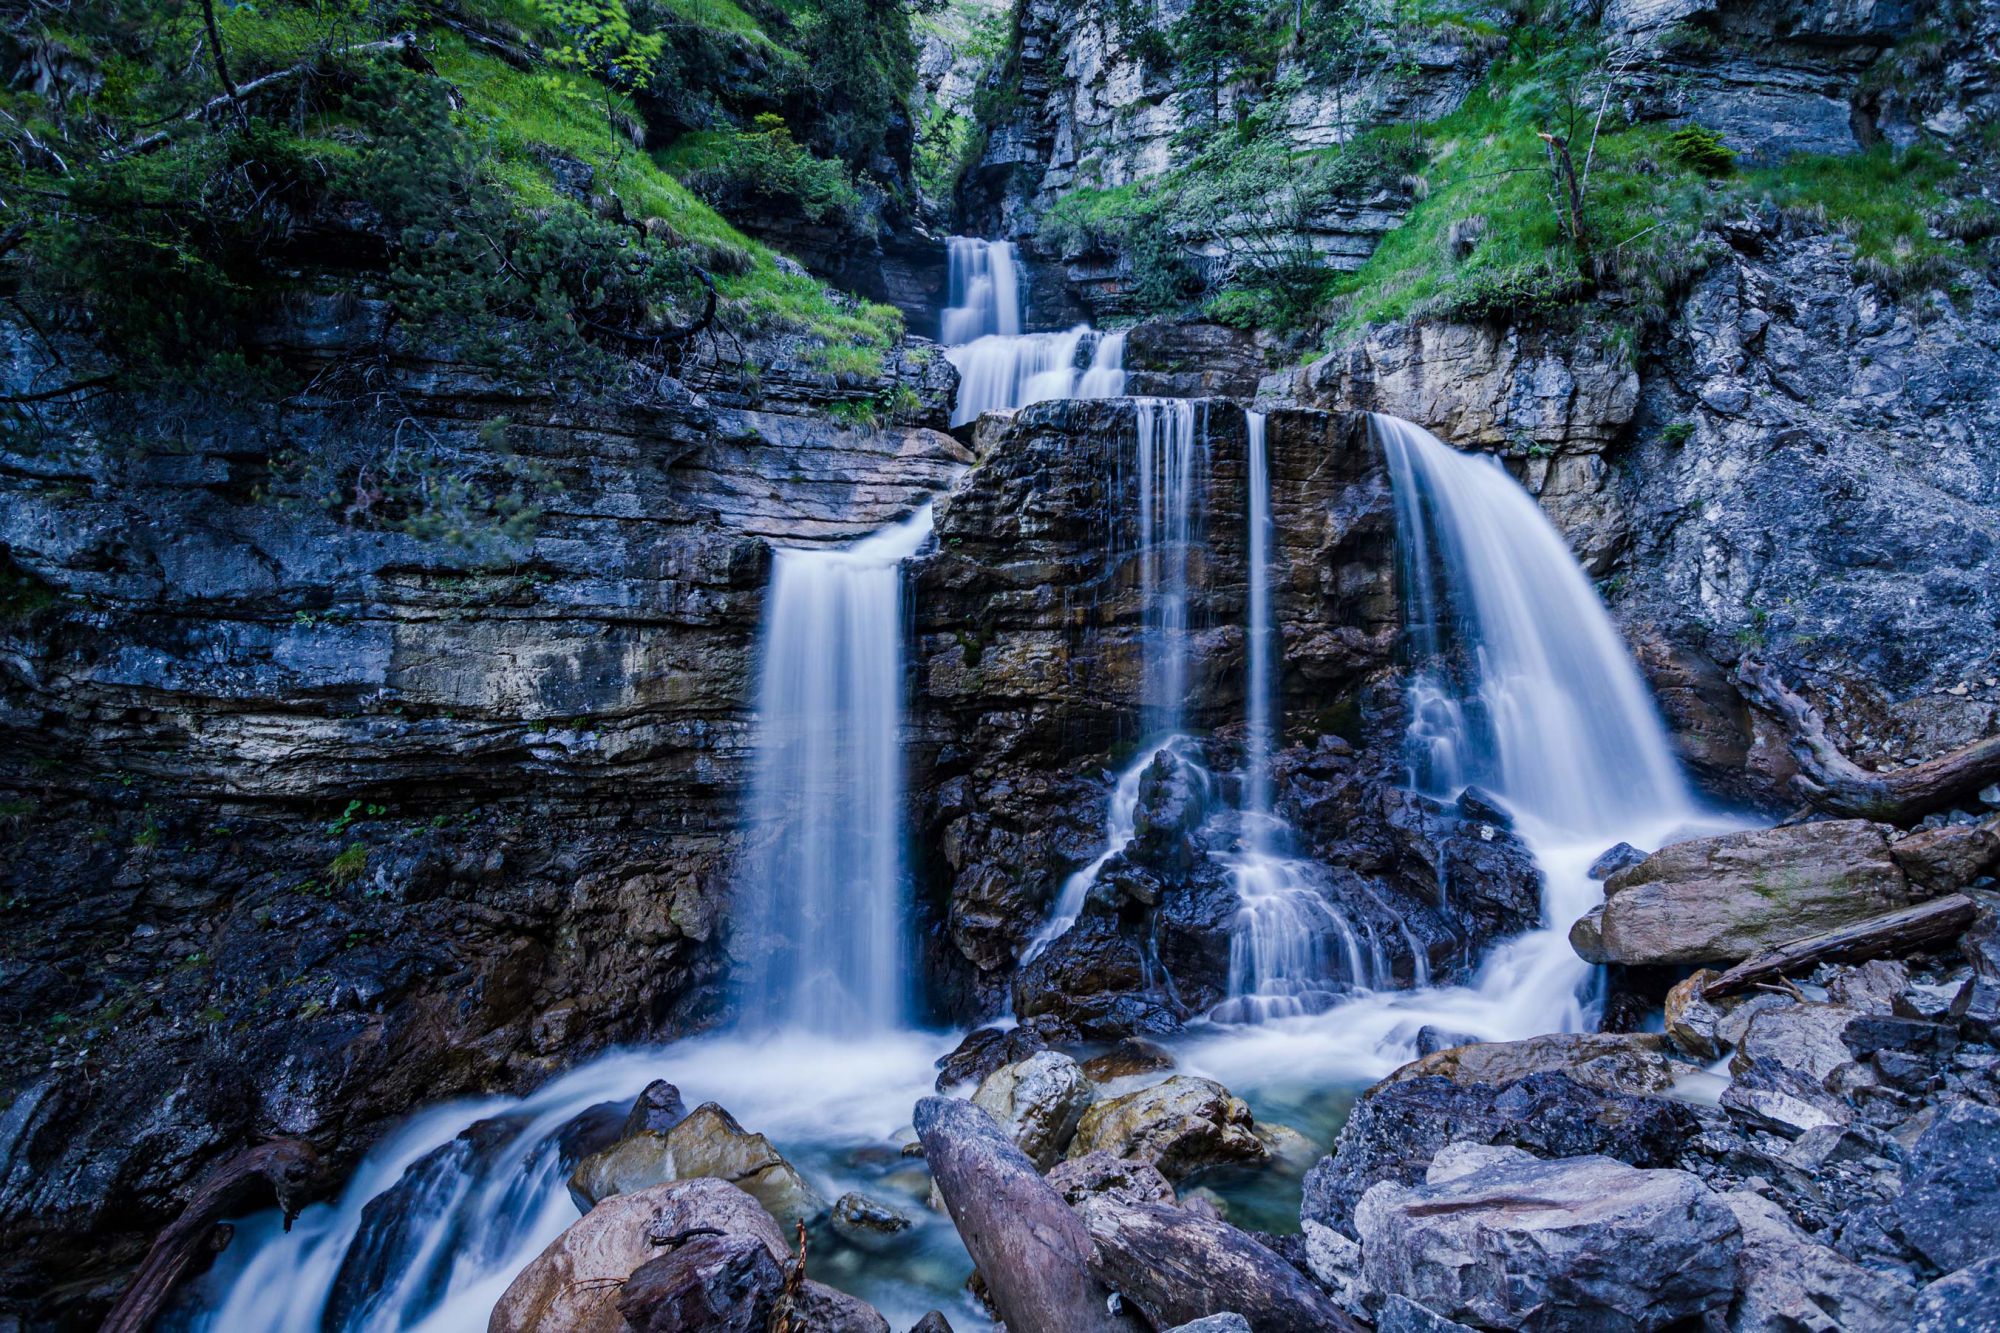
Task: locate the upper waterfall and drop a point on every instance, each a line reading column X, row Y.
column 999, row 366
column 823, row 933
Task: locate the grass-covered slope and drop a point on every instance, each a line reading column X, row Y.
column 482, row 158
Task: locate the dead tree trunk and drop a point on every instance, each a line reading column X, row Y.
column 1892, row 934
column 285, row 1171
column 1838, row 785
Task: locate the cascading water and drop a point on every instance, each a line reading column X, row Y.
column 1001, row 367
column 440, row 1218
column 1288, row 946
column 1524, row 687
column 823, row 903
column 1170, row 458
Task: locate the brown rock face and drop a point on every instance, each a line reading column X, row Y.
column 1721, row 899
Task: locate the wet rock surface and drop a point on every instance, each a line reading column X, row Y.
column 1504, row 1240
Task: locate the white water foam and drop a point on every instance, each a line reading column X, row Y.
column 823, row 897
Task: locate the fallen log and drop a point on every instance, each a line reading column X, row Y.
column 284, row 1171
column 1032, row 1250
column 1834, row 783
column 1906, row 930
column 1177, row 1266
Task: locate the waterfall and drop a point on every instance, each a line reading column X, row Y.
column 1522, row 685
column 1170, row 448
column 1288, row 945
column 984, row 291
column 1259, row 632
column 999, row 366
column 822, row 902
column 1172, row 455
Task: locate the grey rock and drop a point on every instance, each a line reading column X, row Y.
column 1786, row 1280
column 1949, row 1211
column 867, row 1223
column 1120, row 1178
column 1603, row 1245
column 1396, row 1129
column 1431, row 1040
column 1961, row 1302
column 1038, row 1101
column 1622, row 857
column 707, row 1143
column 1179, row 1126
column 1724, row 898
column 709, row 1284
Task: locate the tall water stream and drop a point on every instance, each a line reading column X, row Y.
column 1521, row 686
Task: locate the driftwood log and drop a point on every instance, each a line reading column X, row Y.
column 1906, row 930
column 1032, row 1250
column 1177, row 1266
column 1834, row 783
column 284, row 1171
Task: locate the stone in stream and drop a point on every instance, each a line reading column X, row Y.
column 708, row 1143
column 1179, row 1126
column 1503, row 1240
column 1033, row 1252
column 1121, row 1178
column 573, row 1285
column 1942, row 860
column 658, row 1109
column 1617, row 858
column 1176, row 1265
column 1612, row 1062
column 932, row 1322
column 1431, row 1039
column 1132, row 1055
column 1725, row 898
column 1482, row 807
column 1038, row 1101
column 867, row 1223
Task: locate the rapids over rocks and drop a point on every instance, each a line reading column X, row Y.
column 1518, row 687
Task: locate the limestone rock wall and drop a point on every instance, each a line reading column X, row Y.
column 310, row 820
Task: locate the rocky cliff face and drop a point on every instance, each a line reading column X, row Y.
column 1796, row 470
column 1030, row 628
column 311, row 820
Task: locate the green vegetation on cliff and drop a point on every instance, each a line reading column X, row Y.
column 182, row 174
column 1546, row 193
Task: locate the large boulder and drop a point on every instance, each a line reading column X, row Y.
column 1502, row 1240
column 573, row 1285
column 1179, row 1126
column 1610, row 1062
column 709, row 1284
column 1721, row 899
column 1397, row 1128
column 1949, row 1211
column 1038, row 1101
column 707, row 1143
